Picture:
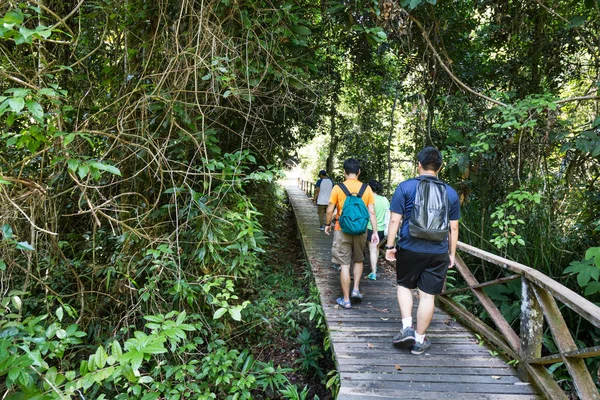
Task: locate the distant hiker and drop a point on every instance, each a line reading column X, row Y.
column 321, row 197
column 382, row 207
column 428, row 210
column 355, row 205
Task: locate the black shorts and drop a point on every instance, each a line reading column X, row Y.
column 425, row 271
column 379, row 233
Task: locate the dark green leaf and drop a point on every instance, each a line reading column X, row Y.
column 576, row 21
column 301, row 30
column 24, row 246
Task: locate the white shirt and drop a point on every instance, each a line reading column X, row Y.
column 325, row 185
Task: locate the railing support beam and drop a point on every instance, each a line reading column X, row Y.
column 584, row 385
column 532, row 326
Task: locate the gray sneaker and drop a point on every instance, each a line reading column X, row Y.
column 420, row 348
column 406, row 336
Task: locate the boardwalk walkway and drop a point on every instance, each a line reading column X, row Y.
column 456, row 366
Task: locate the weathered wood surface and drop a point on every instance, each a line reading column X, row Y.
column 456, row 367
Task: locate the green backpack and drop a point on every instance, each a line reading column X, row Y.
column 355, row 214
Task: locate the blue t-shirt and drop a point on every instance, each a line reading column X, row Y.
column 402, row 203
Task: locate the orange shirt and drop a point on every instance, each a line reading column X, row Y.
column 338, row 197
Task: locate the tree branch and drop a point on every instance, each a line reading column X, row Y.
column 445, row 67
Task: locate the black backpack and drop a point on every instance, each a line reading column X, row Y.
column 429, row 216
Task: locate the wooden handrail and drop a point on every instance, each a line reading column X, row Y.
column 538, row 304
column 578, row 303
column 307, row 187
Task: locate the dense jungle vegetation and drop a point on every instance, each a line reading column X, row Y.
column 140, row 141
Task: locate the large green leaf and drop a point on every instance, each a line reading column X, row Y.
column 13, row 17
column 301, row 30
column 16, row 104
column 105, row 167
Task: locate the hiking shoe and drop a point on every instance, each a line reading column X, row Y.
column 420, row 348
column 406, row 336
column 356, row 295
column 343, row 304
column 372, row 276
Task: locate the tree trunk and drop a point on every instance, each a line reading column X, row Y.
column 391, row 135
column 334, row 138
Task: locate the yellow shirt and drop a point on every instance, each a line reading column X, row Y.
column 338, row 197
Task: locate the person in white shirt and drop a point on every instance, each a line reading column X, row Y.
column 321, row 197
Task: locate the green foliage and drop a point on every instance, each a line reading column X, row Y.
column 310, row 353
column 506, row 217
column 333, row 383
column 221, row 299
column 291, row 393
column 35, row 363
column 412, row 4
column 127, row 182
column 587, row 271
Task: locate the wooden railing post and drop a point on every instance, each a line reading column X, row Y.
column 532, row 326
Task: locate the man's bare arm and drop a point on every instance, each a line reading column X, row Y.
column 393, row 226
column 329, row 217
column 373, row 218
column 452, row 241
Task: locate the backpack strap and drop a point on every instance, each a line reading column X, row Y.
column 362, row 190
column 344, row 189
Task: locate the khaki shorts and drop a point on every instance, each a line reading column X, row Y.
column 347, row 249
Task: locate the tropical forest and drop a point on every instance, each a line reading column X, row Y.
column 148, row 249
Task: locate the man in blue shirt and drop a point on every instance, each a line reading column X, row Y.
column 420, row 263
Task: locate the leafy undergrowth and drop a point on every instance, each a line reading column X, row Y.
column 260, row 337
column 285, row 321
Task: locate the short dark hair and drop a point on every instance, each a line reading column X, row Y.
column 352, row 166
column 322, row 172
column 430, row 158
column 376, row 186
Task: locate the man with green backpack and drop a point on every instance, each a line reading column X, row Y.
column 355, row 205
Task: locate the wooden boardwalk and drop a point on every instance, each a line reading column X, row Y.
column 456, row 366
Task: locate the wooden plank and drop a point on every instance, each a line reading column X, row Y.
column 539, row 374
column 584, row 384
column 420, row 369
column 395, row 394
column 432, row 354
column 447, row 377
column 479, row 326
column 447, row 348
column 578, row 303
column 411, row 361
column 455, row 388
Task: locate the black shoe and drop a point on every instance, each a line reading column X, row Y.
column 406, row 336
column 420, row 348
